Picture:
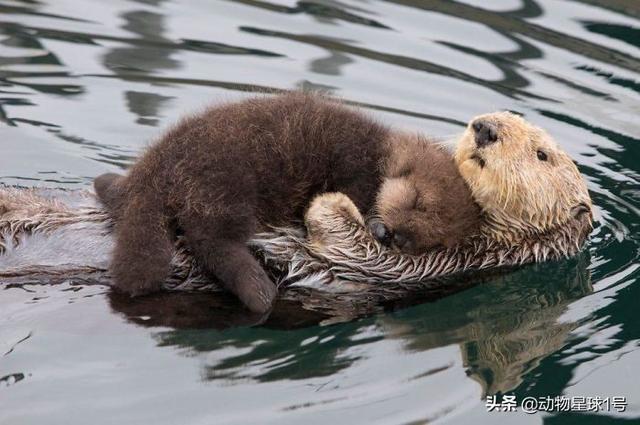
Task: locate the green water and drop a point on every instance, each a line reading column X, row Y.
column 85, row 85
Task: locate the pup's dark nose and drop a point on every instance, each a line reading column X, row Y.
column 380, row 232
column 486, row 133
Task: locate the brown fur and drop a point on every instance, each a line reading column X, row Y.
column 423, row 199
column 223, row 175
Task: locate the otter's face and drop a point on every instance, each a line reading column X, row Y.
column 404, row 226
column 519, row 176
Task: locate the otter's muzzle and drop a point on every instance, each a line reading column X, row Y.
column 485, row 133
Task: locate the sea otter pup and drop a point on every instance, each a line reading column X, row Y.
column 223, row 175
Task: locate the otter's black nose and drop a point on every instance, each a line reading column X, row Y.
column 380, row 232
column 486, row 133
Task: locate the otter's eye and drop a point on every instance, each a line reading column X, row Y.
column 541, row 156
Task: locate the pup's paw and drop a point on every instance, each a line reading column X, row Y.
column 332, row 207
column 256, row 291
column 136, row 288
column 137, row 278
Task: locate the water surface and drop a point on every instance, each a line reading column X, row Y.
column 85, row 85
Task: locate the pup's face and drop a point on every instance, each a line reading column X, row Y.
column 518, row 174
column 404, row 224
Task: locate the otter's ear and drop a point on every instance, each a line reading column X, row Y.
column 579, row 210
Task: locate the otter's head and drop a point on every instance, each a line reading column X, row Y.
column 524, row 183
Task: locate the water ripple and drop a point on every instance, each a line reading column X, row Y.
column 84, row 86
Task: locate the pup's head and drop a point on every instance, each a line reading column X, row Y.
column 522, row 180
column 423, row 202
column 418, row 213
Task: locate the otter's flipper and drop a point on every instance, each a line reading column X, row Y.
column 218, row 240
column 110, row 191
column 144, row 246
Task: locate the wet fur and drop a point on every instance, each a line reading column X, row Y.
column 224, row 175
column 337, row 253
column 522, row 196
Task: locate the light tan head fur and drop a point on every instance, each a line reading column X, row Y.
column 523, row 181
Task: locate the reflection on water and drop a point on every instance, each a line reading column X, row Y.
column 84, row 86
column 504, row 328
column 153, row 55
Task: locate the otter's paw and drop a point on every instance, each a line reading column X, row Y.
column 328, row 213
column 136, row 287
column 139, row 276
column 256, row 291
column 333, row 206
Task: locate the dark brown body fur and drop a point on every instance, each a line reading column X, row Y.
column 221, row 176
